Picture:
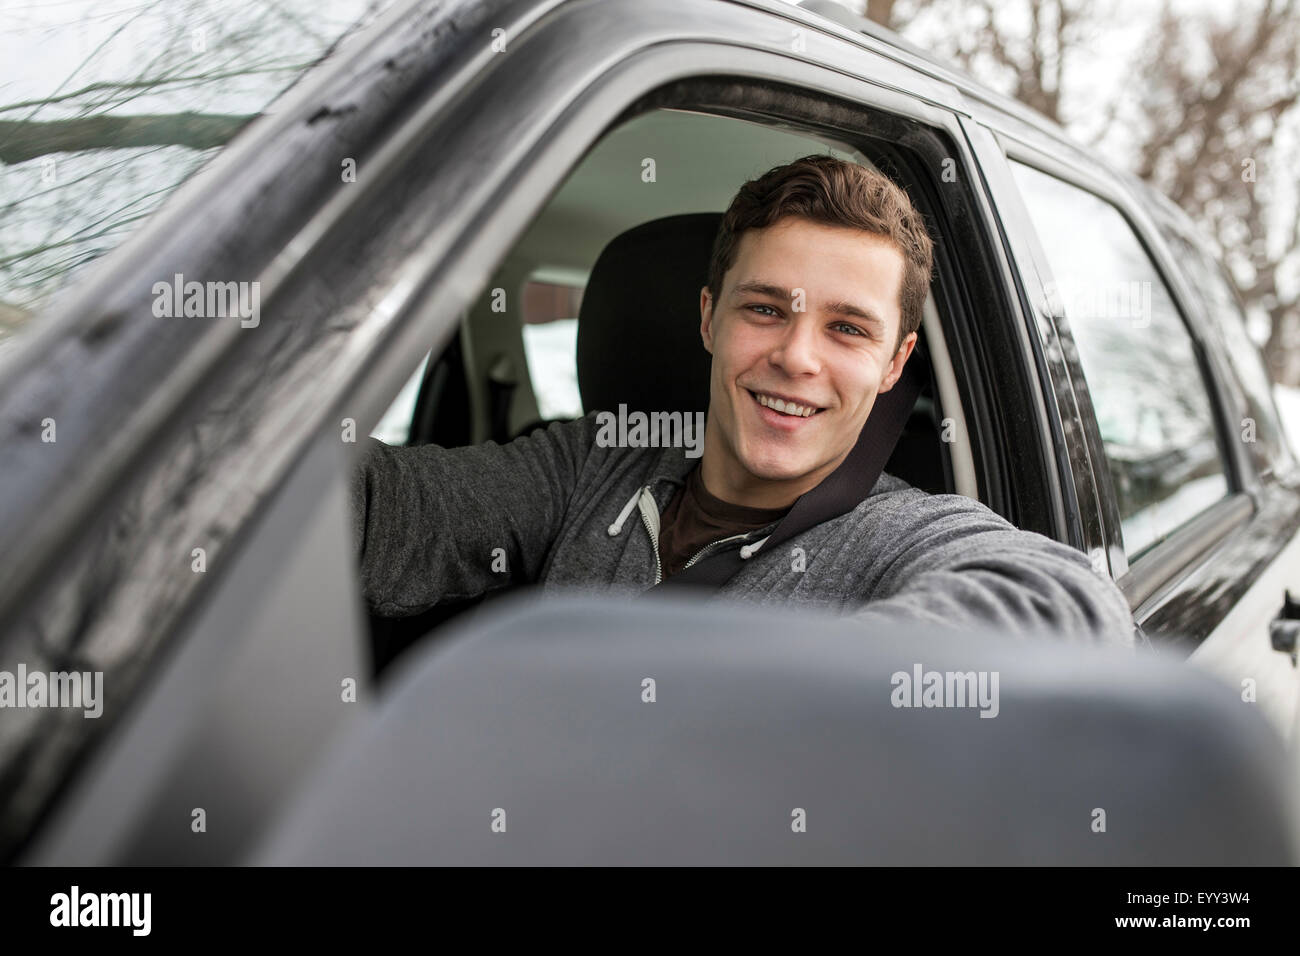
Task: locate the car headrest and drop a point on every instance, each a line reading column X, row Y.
column 639, row 323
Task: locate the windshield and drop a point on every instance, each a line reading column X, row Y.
column 106, row 106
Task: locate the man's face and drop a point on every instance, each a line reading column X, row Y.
column 831, row 349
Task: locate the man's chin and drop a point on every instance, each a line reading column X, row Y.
column 778, row 462
column 776, row 469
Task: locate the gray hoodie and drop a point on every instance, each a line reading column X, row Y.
column 559, row 510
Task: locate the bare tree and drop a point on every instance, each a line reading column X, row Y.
column 1203, row 120
column 1216, row 97
column 881, row 11
column 23, row 140
column 1021, row 48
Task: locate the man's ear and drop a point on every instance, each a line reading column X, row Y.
column 896, row 364
column 706, row 318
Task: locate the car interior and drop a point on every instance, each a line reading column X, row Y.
column 597, row 304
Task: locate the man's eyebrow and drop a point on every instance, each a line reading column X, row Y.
column 754, row 287
column 780, row 292
column 849, row 309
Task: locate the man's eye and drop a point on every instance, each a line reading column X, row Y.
column 845, row 327
column 770, row 309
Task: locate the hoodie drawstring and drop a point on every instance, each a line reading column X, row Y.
column 617, row 526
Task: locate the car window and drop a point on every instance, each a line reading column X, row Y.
column 551, row 345
column 1151, row 399
column 1260, row 429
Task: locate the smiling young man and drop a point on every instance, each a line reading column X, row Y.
column 797, row 368
column 819, row 273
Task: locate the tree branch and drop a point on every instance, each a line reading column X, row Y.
column 22, row 140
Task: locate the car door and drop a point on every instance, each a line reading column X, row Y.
column 1203, row 547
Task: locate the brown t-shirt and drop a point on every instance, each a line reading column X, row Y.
column 695, row 518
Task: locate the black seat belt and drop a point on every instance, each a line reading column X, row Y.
column 839, row 492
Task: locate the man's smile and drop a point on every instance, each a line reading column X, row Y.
column 782, row 410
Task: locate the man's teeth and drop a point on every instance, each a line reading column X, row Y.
column 786, row 408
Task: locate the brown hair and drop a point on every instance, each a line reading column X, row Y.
column 838, row 193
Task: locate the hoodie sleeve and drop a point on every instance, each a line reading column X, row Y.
column 951, row 560
column 434, row 524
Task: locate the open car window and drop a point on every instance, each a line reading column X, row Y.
column 520, row 336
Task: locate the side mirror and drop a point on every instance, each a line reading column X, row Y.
column 677, row 731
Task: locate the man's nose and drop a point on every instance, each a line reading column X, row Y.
column 796, row 352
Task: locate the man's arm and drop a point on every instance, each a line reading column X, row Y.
column 952, row 560
column 435, row 524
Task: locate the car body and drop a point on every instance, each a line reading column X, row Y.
column 186, row 532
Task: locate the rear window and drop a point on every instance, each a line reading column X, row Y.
column 551, row 347
column 1151, row 398
column 1260, row 430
